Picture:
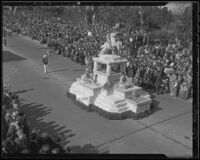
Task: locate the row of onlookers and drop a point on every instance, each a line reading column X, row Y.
column 18, row 137
column 167, row 67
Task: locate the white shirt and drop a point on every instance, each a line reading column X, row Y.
column 89, row 33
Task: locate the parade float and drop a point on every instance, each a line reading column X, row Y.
column 107, row 91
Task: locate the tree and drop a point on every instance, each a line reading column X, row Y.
column 187, row 22
column 183, row 24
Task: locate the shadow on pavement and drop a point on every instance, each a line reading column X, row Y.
column 149, row 89
column 42, row 48
column 46, row 77
column 78, row 70
column 35, row 116
column 155, row 105
column 23, row 91
column 9, row 56
column 88, row 149
column 59, row 70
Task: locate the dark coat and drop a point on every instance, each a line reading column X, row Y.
column 43, row 141
column 45, row 60
column 158, row 78
column 34, row 146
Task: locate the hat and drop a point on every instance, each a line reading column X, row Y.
column 45, row 148
column 25, row 151
column 17, row 140
column 14, row 101
column 55, row 150
column 33, row 136
column 57, row 138
column 19, row 118
column 45, row 134
column 14, row 115
column 8, row 114
column 36, row 130
column 11, row 129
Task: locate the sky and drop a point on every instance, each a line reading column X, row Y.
column 177, row 7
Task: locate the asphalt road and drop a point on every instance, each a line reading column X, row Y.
column 167, row 131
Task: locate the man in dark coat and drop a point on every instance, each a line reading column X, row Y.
column 10, row 145
column 34, row 145
column 45, row 139
column 137, row 78
column 158, row 81
column 82, row 58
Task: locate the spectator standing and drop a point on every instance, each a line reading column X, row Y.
column 174, row 85
column 4, row 41
column 158, row 82
column 189, row 86
column 45, row 62
column 183, row 90
column 18, row 31
column 179, row 81
column 172, row 78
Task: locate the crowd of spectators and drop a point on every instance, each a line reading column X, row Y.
column 165, row 66
column 18, row 137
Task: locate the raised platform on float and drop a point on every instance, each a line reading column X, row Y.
column 109, row 115
column 105, row 90
column 85, row 92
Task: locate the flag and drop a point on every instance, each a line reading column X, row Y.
column 15, row 10
column 93, row 19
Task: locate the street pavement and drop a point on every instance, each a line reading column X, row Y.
column 167, row 131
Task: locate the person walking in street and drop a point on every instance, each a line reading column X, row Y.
column 45, row 62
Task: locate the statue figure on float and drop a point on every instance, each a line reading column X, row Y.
column 111, row 42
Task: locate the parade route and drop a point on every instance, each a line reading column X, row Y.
column 167, row 131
